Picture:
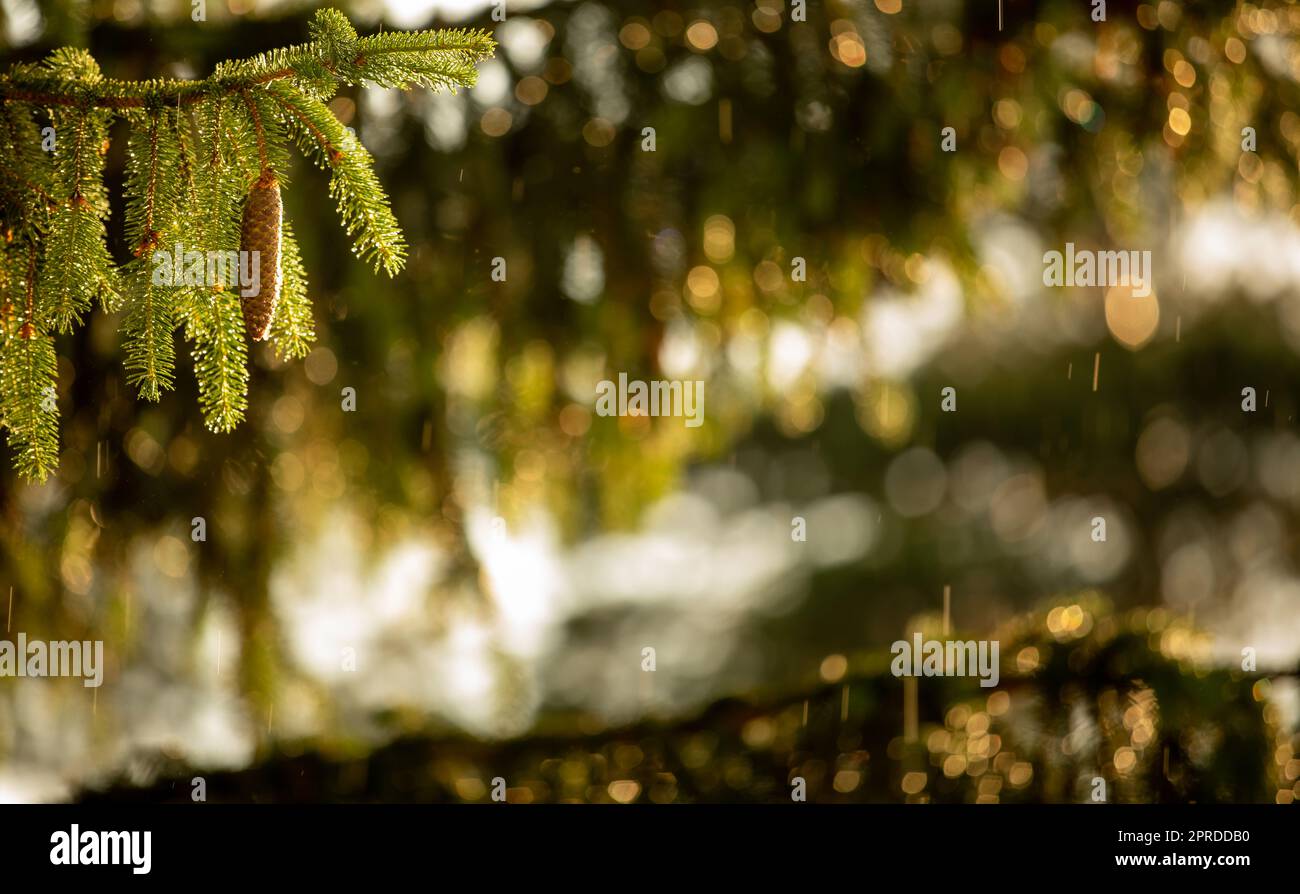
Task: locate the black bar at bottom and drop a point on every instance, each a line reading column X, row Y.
column 331, row 843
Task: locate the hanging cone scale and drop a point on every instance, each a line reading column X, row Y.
column 260, row 232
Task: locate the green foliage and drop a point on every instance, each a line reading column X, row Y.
column 194, row 150
column 361, row 199
column 25, row 180
column 153, row 195
column 150, row 319
column 292, row 331
column 220, row 360
column 28, row 407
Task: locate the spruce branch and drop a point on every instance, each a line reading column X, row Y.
column 259, row 130
column 25, row 178
column 150, row 319
column 28, row 329
column 28, row 408
column 220, row 361
column 77, row 267
column 362, row 203
column 292, row 330
column 446, row 58
column 198, row 151
column 152, row 210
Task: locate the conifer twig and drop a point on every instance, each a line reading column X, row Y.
column 28, row 330
column 150, row 237
column 191, row 176
column 116, row 94
column 258, row 129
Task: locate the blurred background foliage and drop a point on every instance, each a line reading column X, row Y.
column 457, row 580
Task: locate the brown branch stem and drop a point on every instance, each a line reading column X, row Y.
column 185, row 92
column 332, row 151
column 149, row 238
column 257, row 127
column 28, row 330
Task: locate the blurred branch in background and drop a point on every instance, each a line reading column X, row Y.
column 1098, row 709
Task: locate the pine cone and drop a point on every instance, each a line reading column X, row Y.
column 260, row 232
